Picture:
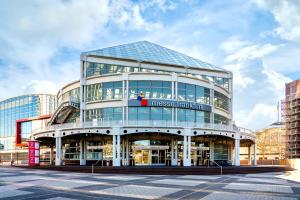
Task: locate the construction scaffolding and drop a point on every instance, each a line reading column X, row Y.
column 290, row 112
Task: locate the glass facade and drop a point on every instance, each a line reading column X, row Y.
column 221, row 101
column 149, row 113
column 150, row 89
column 186, row 115
column 219, row 119
column 26, row 106
column 72, row 93
column 195, row 93
column 104, row 91
column 221, row 151
column 98, row 69
column 109, row 114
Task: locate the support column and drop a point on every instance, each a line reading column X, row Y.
column 174, row 153
column 189, row 150
column 184, row 150
column 58, row 148
column 249, row 155
column 187, row 147
column 51, row 155
column 237, row 152
column 127, row 152
column 123, row 152
column 116, row 147
column 118, row 160
column 254, row 156
column 211, row 151
column 83, row 151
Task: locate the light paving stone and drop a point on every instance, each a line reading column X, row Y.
column 265, row 175
column 180, row 182
column 120, row 177
column 13, row 193
column 234, row 196
column 63, row 184
column 19, row 178
column 199, row 177
column 259, row 187
column 263, row 180
column 136, row 191
column 6, row 188
column 60, row 198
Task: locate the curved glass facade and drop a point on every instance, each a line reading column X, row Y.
column 104, row 91
column 108, row 114
column 72, row 93
column 98, row 69
column 221, row 101
column 194, row 93
column 219, row 119
column 22, row 107
column 149, row 113
column 186, row 115
column 150, row 89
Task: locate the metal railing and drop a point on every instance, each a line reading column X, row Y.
column 135, row 123
column 217, row 165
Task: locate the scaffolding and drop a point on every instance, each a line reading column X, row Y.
column 290, row 112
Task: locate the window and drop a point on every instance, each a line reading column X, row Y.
column 104, row 91
column 107, row 114
column 219, row 119
column 150, row 89
column 221, row 101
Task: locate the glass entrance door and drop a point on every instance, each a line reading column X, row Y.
column 141, row 157
column 158, row 157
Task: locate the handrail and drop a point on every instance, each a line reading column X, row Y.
column 95, row 164
column 218, row 166
column 129, row 123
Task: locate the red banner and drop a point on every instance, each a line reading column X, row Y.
column 33, row 153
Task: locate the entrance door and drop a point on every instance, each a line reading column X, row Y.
column 158, row 157
column 141, row 157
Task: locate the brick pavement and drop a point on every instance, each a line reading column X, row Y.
column 16, row 183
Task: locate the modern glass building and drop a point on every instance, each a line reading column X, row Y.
column 144, row 104
column 18, row 117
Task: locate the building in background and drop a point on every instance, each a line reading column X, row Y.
column 291, row 114
column 271, row 142
column 18, row 117
column 144, row 104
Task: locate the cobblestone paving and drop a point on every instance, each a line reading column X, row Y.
column 18, row 183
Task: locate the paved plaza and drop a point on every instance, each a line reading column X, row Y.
column 19, row 183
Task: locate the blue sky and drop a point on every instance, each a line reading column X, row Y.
column 258, row 40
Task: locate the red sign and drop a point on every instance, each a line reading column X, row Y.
column 33, row 153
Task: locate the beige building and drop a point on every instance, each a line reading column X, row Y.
column 271, row 143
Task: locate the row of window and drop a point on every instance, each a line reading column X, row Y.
column 23, row 107
column 221, row 100
column 195, row 93
column 155, row 90
column 153, row 113
column 104, row 91
column 150, row 89
column 96, row 69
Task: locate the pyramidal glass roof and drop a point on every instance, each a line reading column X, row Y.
column 150, row 52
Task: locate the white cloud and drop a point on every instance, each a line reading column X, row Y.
column 260, row 116
column 233, row 44
column 287, row 14
column 34, row 33
column 40, row 87
column 251, row 52
column 240, row 80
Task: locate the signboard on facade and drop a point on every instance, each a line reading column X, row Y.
column 169, row 103
column 33, row 153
